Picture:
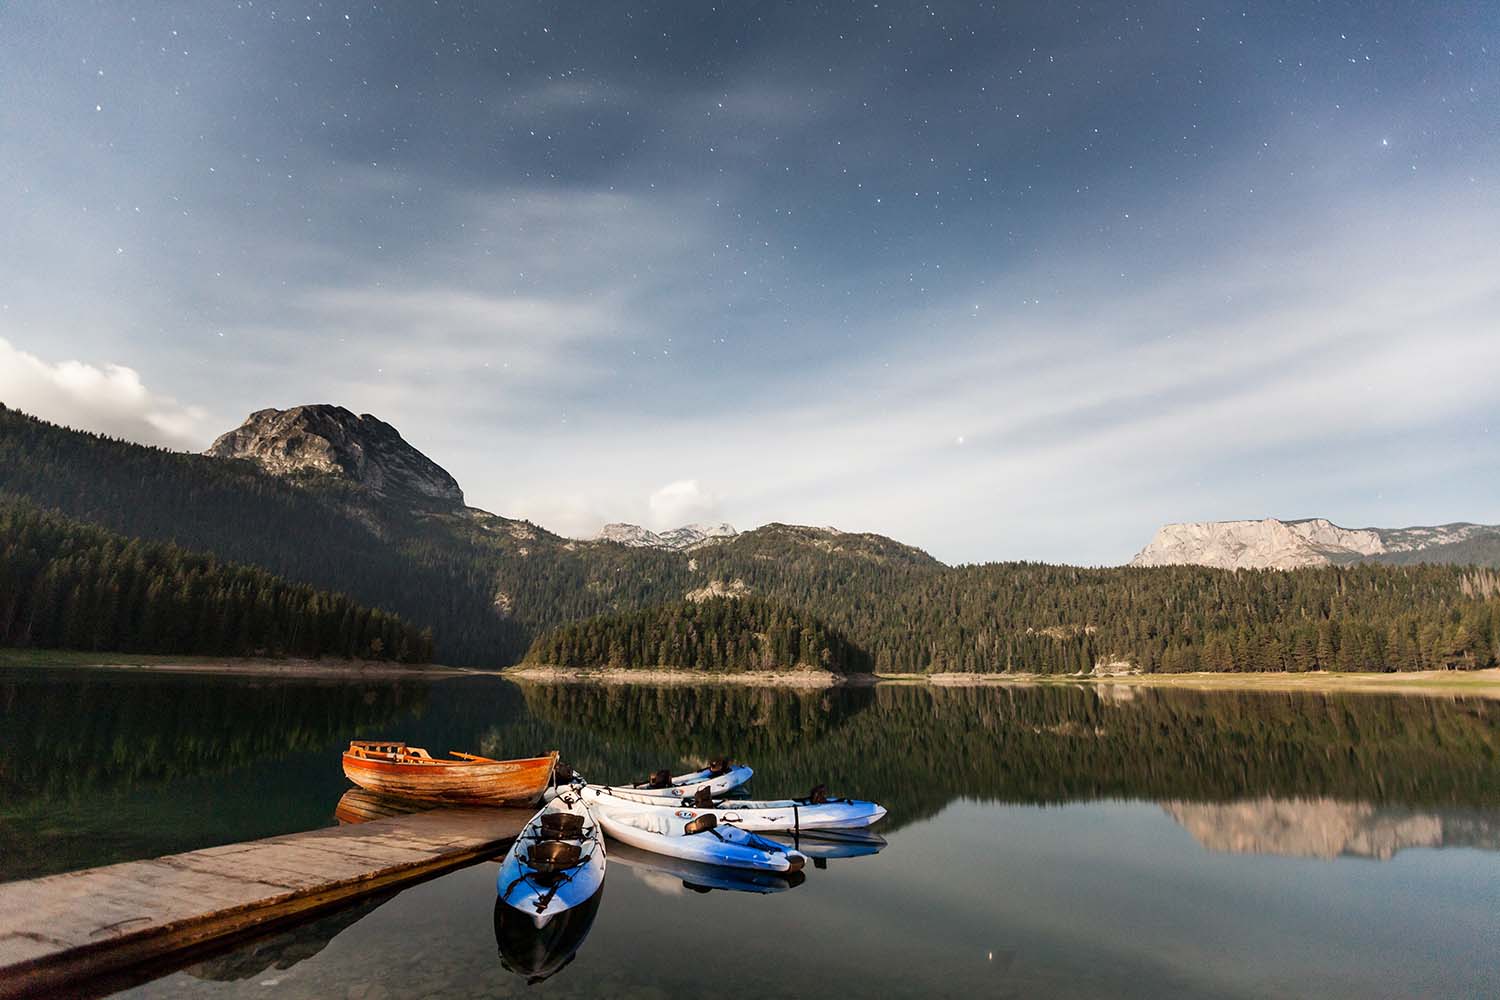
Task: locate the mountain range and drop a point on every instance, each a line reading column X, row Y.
column 1274, row 544
column 682, row 539
column 340, row 501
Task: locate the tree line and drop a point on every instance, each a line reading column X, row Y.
column 69, row 585
column 914, row 615
column 489, row 586
column 718, row 634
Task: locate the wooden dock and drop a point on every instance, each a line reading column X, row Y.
column 91, row 931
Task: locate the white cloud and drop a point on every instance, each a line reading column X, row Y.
column 682, row 502
column 108, row 398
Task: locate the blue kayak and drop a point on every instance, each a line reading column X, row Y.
column 556, row 863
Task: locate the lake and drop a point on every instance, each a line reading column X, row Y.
column 1054, row 840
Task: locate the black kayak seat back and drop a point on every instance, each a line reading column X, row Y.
column 660, row 779
column 561, row 826
column 550, row 856
column 702, row 824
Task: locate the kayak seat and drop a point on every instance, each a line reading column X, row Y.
column 702, row 824
column 660, row 779
column 560, row 826
column 703, row 798
column 718, row 766
column 552, row 856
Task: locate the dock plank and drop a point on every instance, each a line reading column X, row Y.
column 63, row 931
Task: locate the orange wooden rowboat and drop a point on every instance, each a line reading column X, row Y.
column 412, row 773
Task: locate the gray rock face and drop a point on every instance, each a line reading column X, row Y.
column 689, row 536
column 330, row 440
column 1275, row 544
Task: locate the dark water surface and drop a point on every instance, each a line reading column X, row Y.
column 1051, row 841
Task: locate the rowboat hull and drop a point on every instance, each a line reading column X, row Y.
column 489, row 783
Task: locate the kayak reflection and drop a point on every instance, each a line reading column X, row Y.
column 539, row 953
column 827, row 845
column 699, row 877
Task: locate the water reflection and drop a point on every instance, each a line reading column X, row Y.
column 918, row 748
column 360, row 805
column 284, row 950
column 100, row 766
column 671, row 876
column 1055, row 841
column 538, row 953
column 1325, row 828
column 824, row 846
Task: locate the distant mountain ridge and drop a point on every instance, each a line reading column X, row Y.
column 688, row 536
column 1271, row 543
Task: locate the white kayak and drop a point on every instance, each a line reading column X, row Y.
column 768, row 815
column 683, row 785
column 682, row 833
column 556, row 863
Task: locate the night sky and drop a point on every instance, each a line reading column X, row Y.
column 1015, row 280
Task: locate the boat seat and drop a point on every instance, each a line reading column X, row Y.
column 552, row 856
column 560, row 826
column 702, row 824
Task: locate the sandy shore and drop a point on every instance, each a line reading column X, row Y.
column 789, row 678
column 1450, row 683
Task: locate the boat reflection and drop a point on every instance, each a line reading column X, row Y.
column 662, row 872
column 539, row 953
column 357, row 805
column 824, row 846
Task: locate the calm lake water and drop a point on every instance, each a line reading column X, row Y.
column 1049, row 841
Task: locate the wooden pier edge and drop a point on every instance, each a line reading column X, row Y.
column 127, row 959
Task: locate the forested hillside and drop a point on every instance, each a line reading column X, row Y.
column 718, row 635
column 64, row 584
column 488, row 586
column 317, row 536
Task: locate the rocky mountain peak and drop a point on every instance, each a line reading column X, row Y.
column 330, row 440
column 689, row 536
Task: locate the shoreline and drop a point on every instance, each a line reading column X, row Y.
column 1446, row 683
column 329, row 669
column 783, row 678
column 1443, row 683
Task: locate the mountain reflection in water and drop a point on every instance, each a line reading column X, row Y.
column 1324, row 828
column 99, row 766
